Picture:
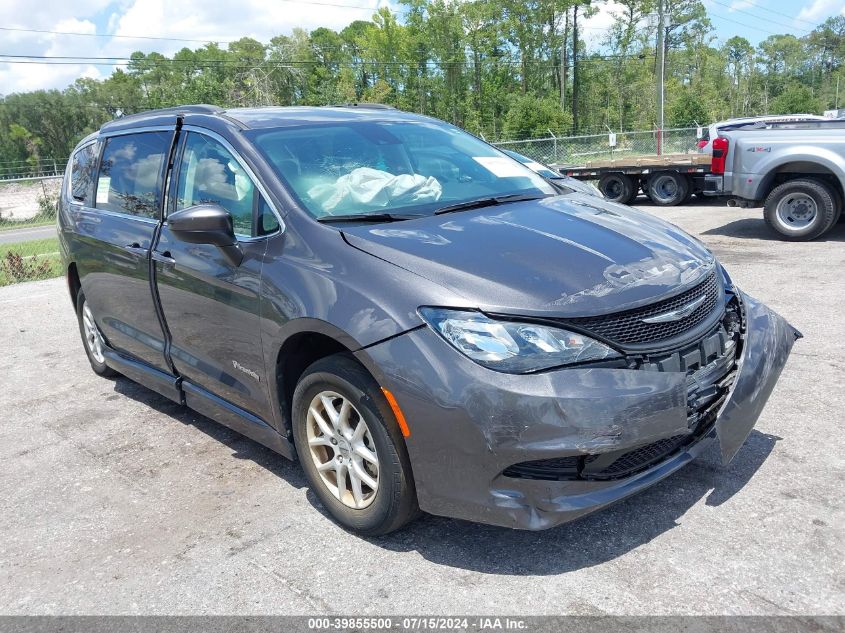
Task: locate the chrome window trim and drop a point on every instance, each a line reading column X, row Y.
column 255, row 181
column 118, row 214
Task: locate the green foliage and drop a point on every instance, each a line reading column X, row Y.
column 687, row 109
column 532, row 117
column 796, row 98
column 492, row 66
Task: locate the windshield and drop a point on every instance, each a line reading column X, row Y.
column 404, row 167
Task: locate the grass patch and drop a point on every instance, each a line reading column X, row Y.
column 30, row 260
column 11, row 225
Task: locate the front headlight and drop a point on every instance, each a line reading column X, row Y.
column 512, row 347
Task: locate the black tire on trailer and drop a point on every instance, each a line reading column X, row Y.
column 690, row 191
column 802, row 209
column 668, row 188
column 618, row 187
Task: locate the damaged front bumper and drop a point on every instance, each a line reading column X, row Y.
column 478, row 436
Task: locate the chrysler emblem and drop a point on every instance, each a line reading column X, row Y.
column 676, row 315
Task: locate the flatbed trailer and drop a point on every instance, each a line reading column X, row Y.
column 668, row 179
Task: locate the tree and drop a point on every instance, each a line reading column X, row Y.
column 796, row 99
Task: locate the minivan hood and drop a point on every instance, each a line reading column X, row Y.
column 571, row 255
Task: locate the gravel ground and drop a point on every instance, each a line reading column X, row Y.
column 19, row 200
column 117, row 501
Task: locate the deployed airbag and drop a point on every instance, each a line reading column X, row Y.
column 373, row 188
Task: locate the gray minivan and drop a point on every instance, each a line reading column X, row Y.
column 421, row 320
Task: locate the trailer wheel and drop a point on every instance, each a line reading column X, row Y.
column 668, row 188
column 801, row 210
column 618, row 187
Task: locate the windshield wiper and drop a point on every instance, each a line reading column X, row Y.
column 366, row 217
column 487, row 202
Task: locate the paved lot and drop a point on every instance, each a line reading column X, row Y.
column 116, row 501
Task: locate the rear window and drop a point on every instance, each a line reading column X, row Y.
column 130, row 178
column 82, row 168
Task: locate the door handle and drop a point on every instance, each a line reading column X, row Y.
column 163, row 258
column 136, row 249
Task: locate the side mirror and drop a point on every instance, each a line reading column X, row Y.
column 207, row 224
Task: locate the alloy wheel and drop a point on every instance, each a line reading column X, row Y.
column 342, row 449
column 93, row 338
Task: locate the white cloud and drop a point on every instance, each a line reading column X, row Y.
column 818, row 10
column 191, row 19
column 739, row 5
column 597, row 25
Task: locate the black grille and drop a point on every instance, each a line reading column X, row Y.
column 627, row 328
column 641, row 457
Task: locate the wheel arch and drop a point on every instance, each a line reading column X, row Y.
column 73, row 283
column 818, row 167
column 306, row 342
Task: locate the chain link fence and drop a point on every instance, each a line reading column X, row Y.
column 575, row 151
column 28, row 243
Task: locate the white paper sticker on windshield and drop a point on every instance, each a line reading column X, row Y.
column 501, row 167
column 103, row 185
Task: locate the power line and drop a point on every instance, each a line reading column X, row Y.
column 786, row 15
column 746, row 25
column 759, row 17
column 130, row 37
column 183, row 39
column 74, row 60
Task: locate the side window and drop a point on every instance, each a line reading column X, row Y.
column 267, row 222
column 130, row 173
column 82, row 174
column 209, row 174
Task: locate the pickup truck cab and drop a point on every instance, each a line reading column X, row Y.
column 795, row 171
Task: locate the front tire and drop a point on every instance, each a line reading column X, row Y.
column 801, row 210
column 92, row 339
column 351, row 449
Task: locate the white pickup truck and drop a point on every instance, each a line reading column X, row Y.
column 795, row 171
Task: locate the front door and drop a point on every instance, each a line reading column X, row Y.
column 116, row 221
column 210, row 305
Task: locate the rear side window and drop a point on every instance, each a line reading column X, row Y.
column 82, row 174
column 209, row 174
column 130, row 179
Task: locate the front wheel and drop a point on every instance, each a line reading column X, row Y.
column 801, row 209
column 351, row 449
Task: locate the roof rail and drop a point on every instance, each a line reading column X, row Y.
column 198, row 108
column 368, row 106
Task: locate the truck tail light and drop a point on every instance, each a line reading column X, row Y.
column 720, row 153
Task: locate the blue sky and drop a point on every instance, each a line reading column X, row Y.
column 203, row 20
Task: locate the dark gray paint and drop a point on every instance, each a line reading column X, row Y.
column 569, row 256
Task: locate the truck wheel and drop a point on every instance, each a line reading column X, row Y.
column 618, row 187
column 801, row 210
column 668, row 188
column 351, row 448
